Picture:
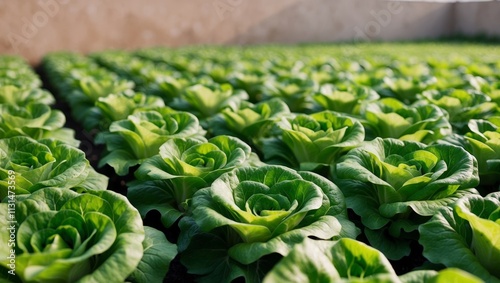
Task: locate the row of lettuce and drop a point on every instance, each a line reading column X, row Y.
column 252, row 152
column 60, row 223
column 231, row 162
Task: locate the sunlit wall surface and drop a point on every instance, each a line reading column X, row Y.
column 33, row 28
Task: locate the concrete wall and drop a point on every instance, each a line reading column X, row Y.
column 478, row 18
column 33, row 28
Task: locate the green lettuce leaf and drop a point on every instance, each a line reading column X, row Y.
column 462, row 105
column 348, row 101
column 466, row 236
column 165, row 182
column 249, row 122
column 390, row 118
column 47, row 163
column 115, row 107
column 22, row 96
column 406, row 88
column 483, row 141
column 314, row 140
column 205, row 102
column 348, row 260
column 296, row 92
column 397, row 185
column 345, row 260
column 131, row 141
column 65, row 236
column 253, row 213
column 158, row 253
column 35, row 120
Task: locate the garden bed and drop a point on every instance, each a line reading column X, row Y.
column 244, row 159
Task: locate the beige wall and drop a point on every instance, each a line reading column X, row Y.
column 33, row 28
column 478, row 18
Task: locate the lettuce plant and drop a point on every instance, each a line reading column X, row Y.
column 249, row 215
column 406, row 89
column 345, row 260
column 372, row 78
column 493, row 91
column 295, row 92
column 81, row 83
column 40, row 164
column 483, row 141
column 166, row 181
column 22, row 96
column 480, row 69
column 92, row 81
column 35, row 120
column 89, row 89
column 347, row 101
column 205, row 102
column 490, row 88
column 449, row 78
column 115, row 107
column 18, row 74
column 390, row 118
column 394, row 186
column 251, row 83
column 93, row 87
column 64, row 236
column 249, row 122
column 126, row 65
column 158, row 79
column 130, row 141
column 312, row 141
column 168, row 87
column 348, row 260
column 64, row 69
column 466, row 236
column 220, row 72
column 119, row 106
column 409, row 68
column 461, row 105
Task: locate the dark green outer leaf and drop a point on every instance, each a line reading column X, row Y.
column 447, row 239
column 158, row 253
